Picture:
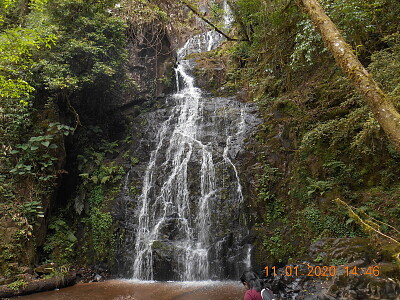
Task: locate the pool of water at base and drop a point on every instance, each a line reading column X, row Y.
column 142, row 290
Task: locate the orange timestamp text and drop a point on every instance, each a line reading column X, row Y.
column 322, row 271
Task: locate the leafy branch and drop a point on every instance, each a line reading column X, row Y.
column 370, row 225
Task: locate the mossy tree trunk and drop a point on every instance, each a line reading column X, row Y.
column 383, row 110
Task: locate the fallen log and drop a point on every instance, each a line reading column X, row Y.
column 39, row 285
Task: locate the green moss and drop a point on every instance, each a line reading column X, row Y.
column 158, row 245
column 16, row 285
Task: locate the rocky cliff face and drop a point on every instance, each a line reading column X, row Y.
column 150, row 66
column 181, row 210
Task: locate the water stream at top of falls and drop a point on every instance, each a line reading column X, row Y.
column 187, row 222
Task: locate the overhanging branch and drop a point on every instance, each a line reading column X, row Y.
column 201, row 16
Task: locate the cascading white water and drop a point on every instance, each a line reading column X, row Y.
column 238, row 135
column 190, row 184
column 228, row 16
column 247, row 259
column 174, row 195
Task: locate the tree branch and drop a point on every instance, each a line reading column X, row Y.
column 367, row 227
column 379, row 103
column 72, row 109
column 201, row 16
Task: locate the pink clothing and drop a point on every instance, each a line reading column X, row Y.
column 252, row 295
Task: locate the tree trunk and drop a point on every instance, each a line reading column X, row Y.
column 40, row 285
column 383, row 110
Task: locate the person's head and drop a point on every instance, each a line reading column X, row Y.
column 251, row 280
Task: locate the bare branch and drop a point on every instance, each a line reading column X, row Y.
column 201, row 16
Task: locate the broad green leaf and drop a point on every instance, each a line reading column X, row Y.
column 105, row 179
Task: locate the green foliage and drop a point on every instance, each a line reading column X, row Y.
column 266, row 182
column 105, row 173
column 338, row 261
column 16, row 285
column 318, row 187
column 33, row 210
column 356, row 18
column 266, row 54
column 57, row 58
column 37, row 156
column 58, row 272
column 278, row 249
column 17, row 47
column 8, row 257
column 101, row 238
column 338, row 148
column 52, row 53
column 322, row 224
column 134, row 160
column 141, row 12
column 308, row 44
column 89, row 53
column 99, row 235
column 61, row 242
column 17, row 225
column 313, row 217
column 97, row 170
column 274, row 208
column 32, row 162
column 217, row 12
column 385, row 66
column 133, row 191
column 358, row 128
column 97, row 189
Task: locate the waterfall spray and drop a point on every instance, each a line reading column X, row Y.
column 191, row 186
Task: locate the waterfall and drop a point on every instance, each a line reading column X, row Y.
column 247, row 258
column 228, row 16
column 186, row 222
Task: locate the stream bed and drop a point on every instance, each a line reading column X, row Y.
column 142, row 290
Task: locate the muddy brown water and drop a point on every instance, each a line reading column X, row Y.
column 118, row 289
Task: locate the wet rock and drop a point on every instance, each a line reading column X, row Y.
column 222, row 130
column 97, row 278
column 165, row 265
column 146, row 67
column 344, row 250
column 339, row 286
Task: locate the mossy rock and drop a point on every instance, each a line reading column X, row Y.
column 344, row 250
column 365, row 287
column 390, row 251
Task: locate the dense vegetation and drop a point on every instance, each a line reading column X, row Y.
column 63, row 63
column 63, row 70
column 319, row 141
